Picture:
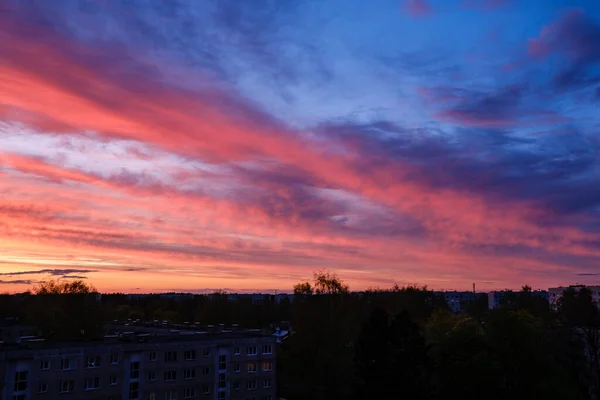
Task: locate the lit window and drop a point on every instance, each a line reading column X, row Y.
column 267, row 365
column 93, row 362
column 251, row 367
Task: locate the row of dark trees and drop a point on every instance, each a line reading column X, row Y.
column 384, row 344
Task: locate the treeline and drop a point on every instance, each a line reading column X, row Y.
column 405, row 343
column 386, row 344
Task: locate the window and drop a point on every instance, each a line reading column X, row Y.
column 205, row 370
column 236, row 350
column 205, row 389
column 151, row 376
column 236, row 385
column 222, row 395
column 19, row 397
column 206, row 352
column 189, row 393
column 222, row 361
column 236, row 367
column 113, row 380
column 152, row 356
column 189, row 373
column 190, row 355
column 251, row 385
column 134, row 390
column 267, row 349
column 171, row 395
column 251, row 350
column 222, row 381
column 170, row 376
column 45, row 365
column 267, row 365
column 93, row 361
column 171, row 356
column 251, row 367
column 43, row 388
column 267, row 383
column 20, row 381
column 114, row 358
column 67, row 364
column 92, row 383
column 134, row 371
column 66, row 386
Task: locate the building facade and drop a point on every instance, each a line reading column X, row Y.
column 497, row 298
column 234, row 365
column 555, row 294
column 456, row 300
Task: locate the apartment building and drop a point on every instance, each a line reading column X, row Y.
column 555, row 294
column 220, row 366
column 456, row 300
column 497, row 298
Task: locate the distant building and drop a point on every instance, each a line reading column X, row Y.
column 496, row 298
column 283, row 296
column 219, row 366
column 456, row 300
column 555, row 294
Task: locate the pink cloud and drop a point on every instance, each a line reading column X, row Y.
column 574, row 35
column 132, row 219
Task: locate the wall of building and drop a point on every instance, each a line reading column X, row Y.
column 193, row 364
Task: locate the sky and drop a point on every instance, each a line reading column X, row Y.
column 152, row 146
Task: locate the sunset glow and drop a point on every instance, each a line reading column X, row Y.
column 193, row 146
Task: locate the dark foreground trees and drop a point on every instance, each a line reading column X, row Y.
column 408, row 345
column 65, row 310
